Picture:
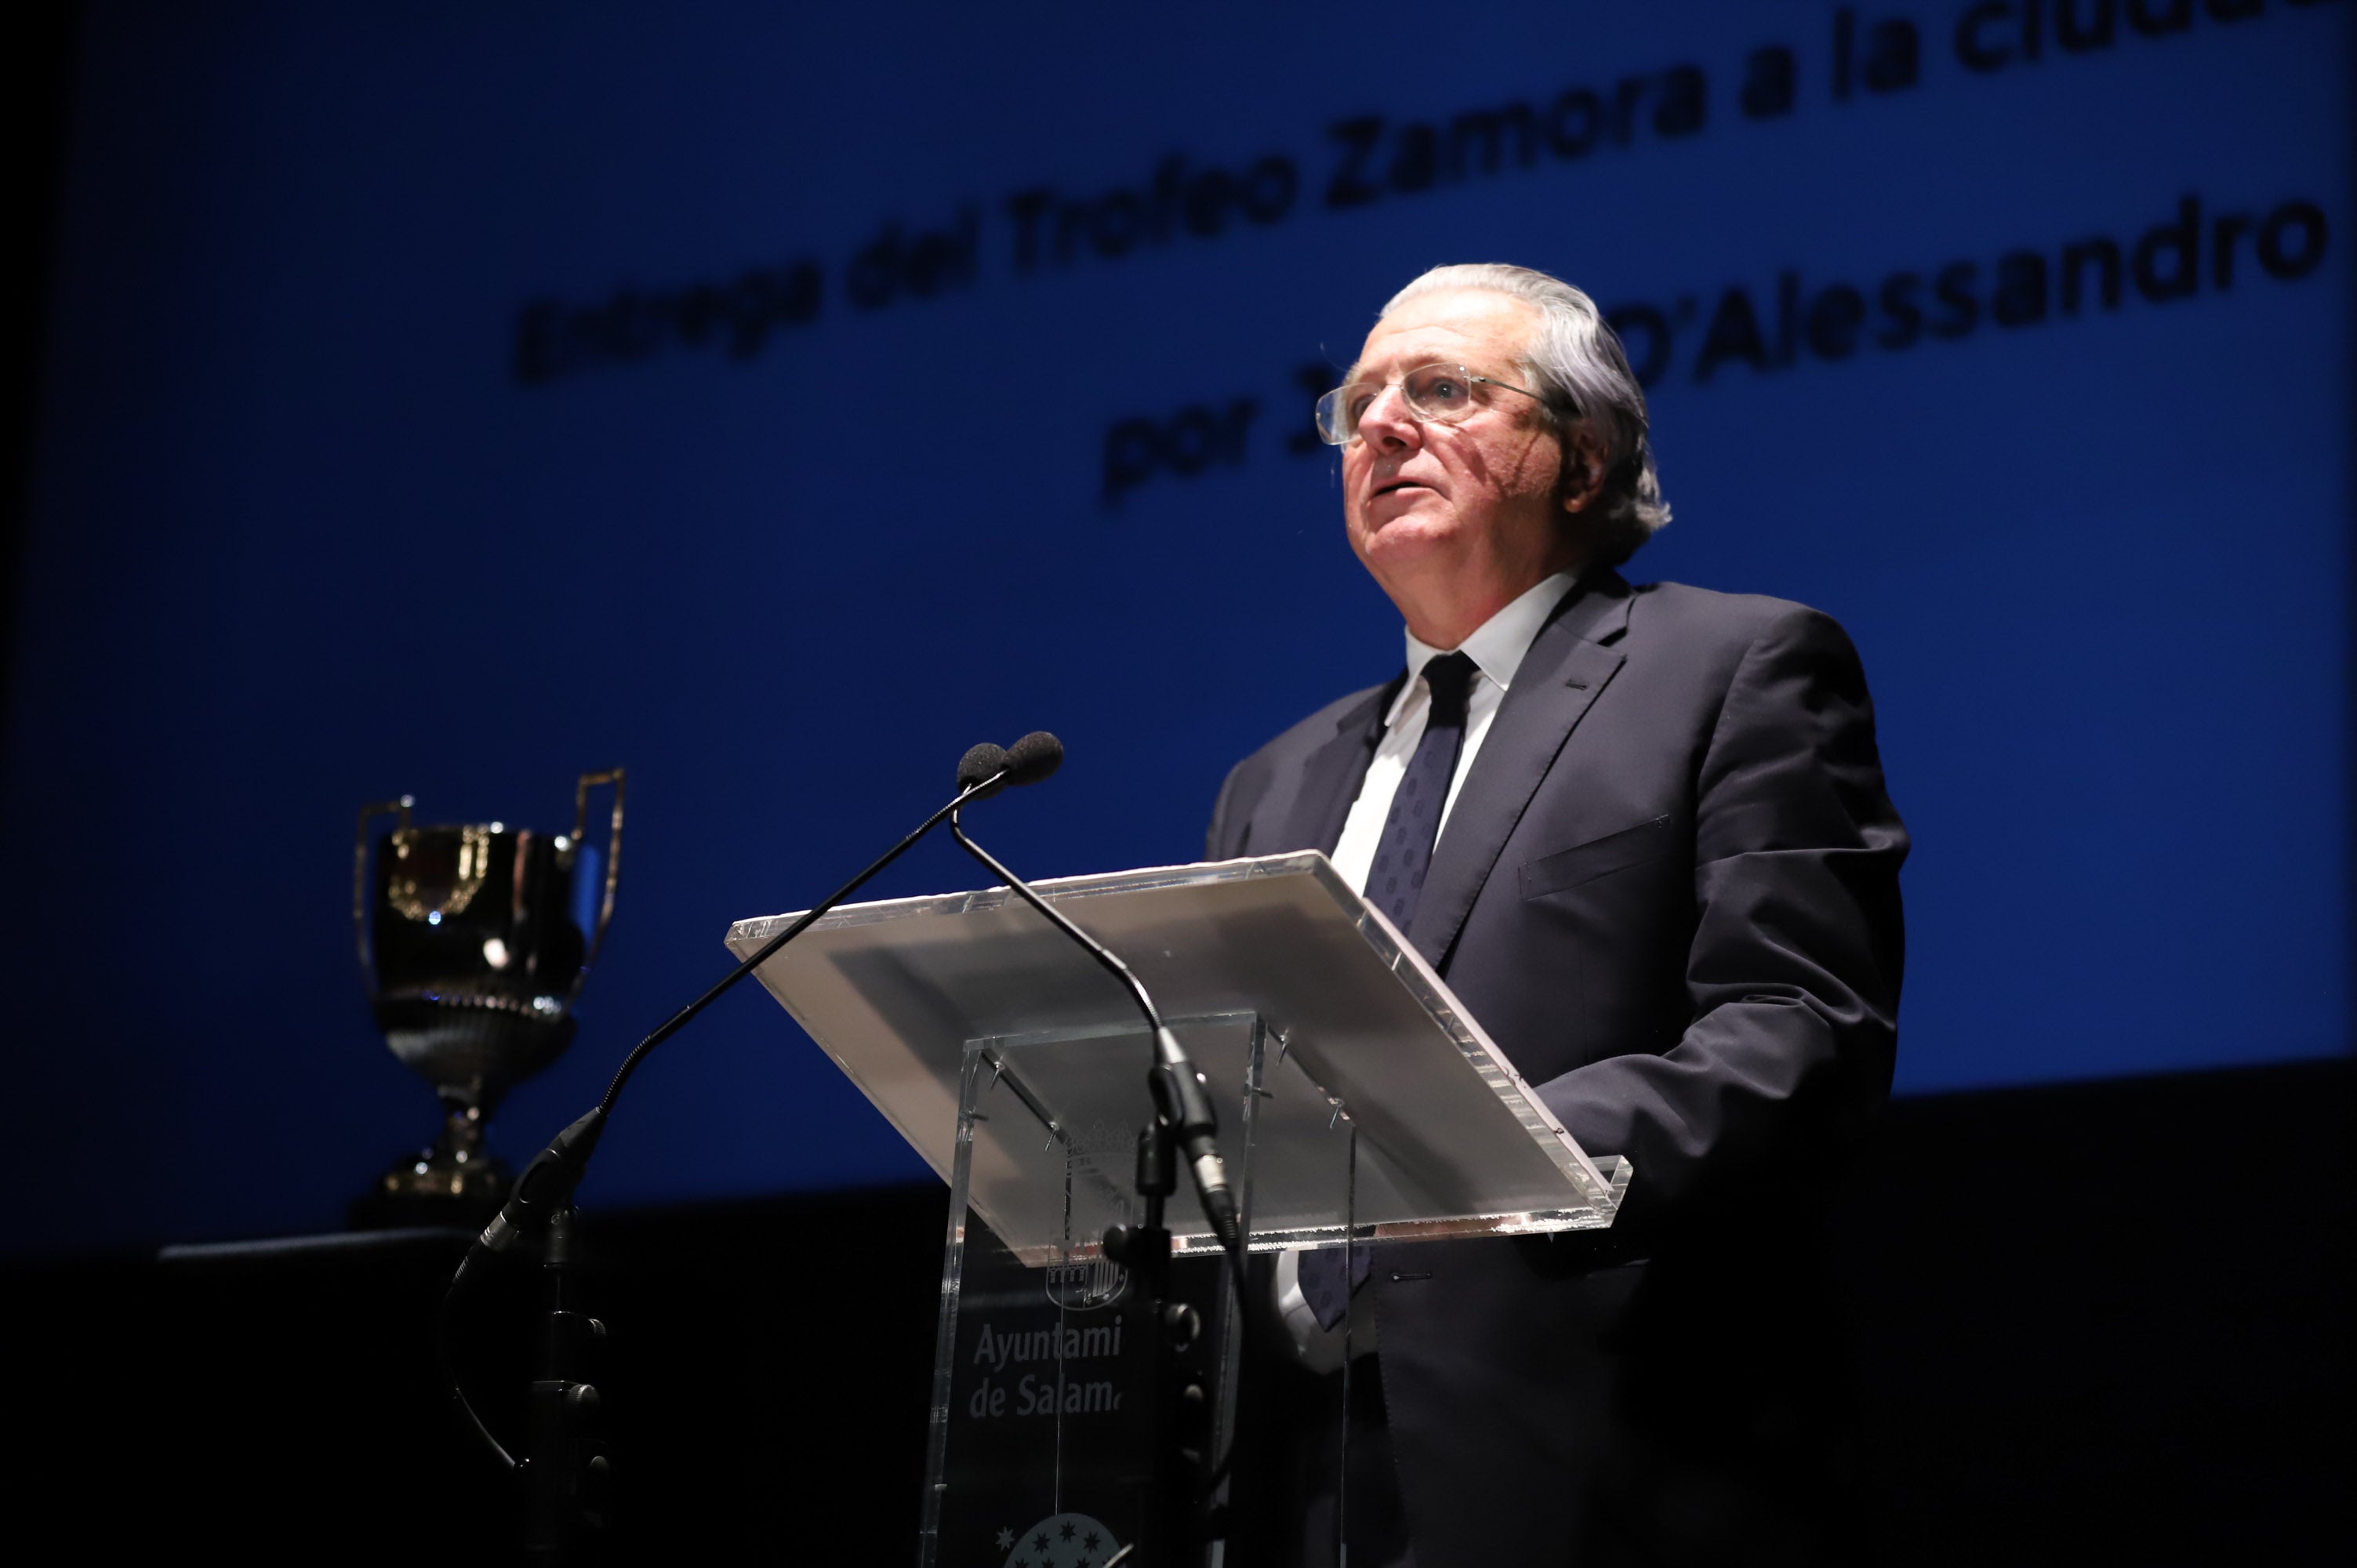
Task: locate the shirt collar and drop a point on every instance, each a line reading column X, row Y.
column 1498, row 646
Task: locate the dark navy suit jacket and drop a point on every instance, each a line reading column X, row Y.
column 1669, row 890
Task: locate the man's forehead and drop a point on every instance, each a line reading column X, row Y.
column 1470, row 323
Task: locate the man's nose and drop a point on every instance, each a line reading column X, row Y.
column 1387, row 422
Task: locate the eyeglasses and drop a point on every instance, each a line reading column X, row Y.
column 1440, row 394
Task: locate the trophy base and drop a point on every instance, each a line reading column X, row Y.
column 457, row 1182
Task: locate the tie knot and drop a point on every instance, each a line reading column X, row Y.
column 1451, row 678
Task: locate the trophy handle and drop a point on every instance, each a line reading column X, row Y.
column 360, row 878
column 588, row 782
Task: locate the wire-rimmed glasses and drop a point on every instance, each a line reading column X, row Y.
column 1441, row 394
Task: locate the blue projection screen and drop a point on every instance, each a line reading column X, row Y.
column 450, row 399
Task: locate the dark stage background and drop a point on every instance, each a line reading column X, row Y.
column 451, row 398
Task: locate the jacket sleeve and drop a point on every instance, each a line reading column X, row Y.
column 1221, row 832
column 1793, row 971
column 1230, row 834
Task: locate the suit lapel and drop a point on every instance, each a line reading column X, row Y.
column 1329, row 779
column 1568, row 665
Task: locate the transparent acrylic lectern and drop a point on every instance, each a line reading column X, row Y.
column 1358, row 1103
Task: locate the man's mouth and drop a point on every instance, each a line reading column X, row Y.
column 1403, row 485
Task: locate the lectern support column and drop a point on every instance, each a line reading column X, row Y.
column 1061, row 1373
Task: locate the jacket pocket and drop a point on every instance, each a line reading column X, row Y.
column 1598, row 857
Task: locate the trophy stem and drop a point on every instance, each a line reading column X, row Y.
column 464, row 1151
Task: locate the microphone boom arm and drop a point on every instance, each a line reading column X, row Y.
column 545, row 1188
column 1179, row 1099
column 681, row 1019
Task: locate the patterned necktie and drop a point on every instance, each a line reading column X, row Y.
column 1395, row 881
column 1395, row 876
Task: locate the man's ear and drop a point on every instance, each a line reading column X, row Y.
column 1583, row 471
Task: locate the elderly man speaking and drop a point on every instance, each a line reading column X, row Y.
column 1642, row 832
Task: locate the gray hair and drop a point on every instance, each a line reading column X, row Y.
column 1575, row 362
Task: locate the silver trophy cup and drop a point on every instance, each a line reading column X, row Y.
column 472, row 944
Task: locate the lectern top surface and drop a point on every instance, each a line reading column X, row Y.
column 1451, row 1141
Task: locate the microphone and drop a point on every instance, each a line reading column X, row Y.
column 997, row 768
column 983, row 770
column 1179, row 1098
column 1032, row 758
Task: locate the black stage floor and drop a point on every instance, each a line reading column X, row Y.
column 2100, row 1323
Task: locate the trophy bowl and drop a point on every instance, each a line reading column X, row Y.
column 474, row 941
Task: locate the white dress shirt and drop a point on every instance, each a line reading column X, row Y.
column 1497, row 650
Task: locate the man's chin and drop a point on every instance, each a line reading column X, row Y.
column 1407, row 534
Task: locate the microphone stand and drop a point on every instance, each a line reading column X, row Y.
column 566, row 1479
column 1179, row 1408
